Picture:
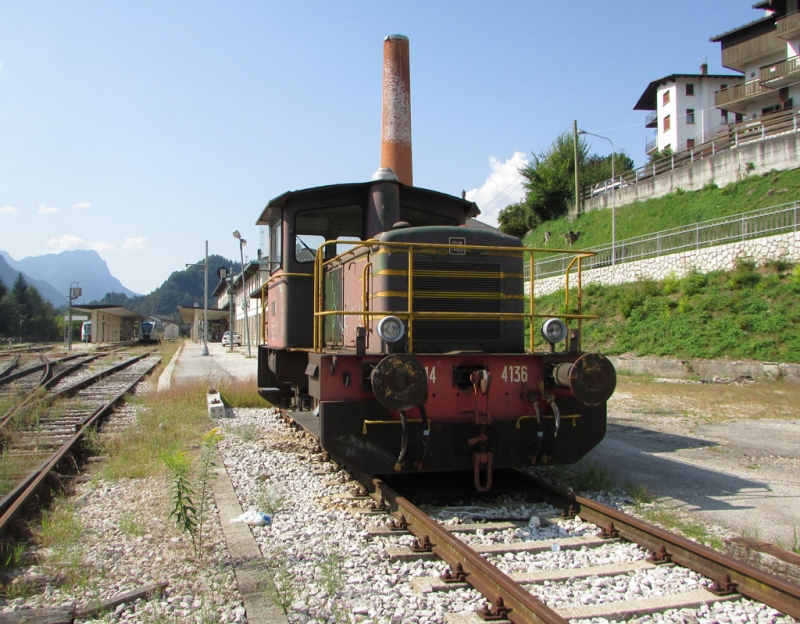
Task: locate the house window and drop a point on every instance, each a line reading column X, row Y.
column 689, row 115
column 689, row 143
column 689, row 88
column 665, row 98
column 666, row 123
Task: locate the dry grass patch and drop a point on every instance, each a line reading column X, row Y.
column 711, row 402
column 167, row 423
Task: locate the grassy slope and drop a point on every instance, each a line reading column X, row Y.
column 673, row 210
column 748, row 313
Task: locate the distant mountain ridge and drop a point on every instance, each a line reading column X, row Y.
column 59, row 271
column 181, row 288
column 9, row 275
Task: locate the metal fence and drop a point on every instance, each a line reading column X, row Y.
column 747, row 225
column 724, row 137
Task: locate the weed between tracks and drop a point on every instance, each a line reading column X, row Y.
column 167, row 423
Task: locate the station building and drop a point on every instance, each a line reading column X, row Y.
column 111, row 323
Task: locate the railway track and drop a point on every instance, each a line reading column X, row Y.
column 20, row 390
column 50, row 442
column 507, row 562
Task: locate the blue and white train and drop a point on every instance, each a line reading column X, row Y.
column 151, row 331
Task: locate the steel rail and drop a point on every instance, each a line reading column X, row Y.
column 747, row 580
column 524, row 607
column 24, row 372
column 88, row 381
column 50, row 383
column 13, row 502
column 9, row 366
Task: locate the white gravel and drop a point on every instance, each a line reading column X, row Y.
column 317, row 552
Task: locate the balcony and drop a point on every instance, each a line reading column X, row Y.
column 736, row 97
column 780, row 74
column 738, row 56
column 651, row 146
column 789, row 26
column 651, row 121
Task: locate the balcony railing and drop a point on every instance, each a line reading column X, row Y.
column 740, row 92
column 789, row 26
column 651, row 145
column 787, row 69
column 651, row 121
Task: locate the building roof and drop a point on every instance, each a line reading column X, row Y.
column 745, row 27
column 114, row 310
column 479, row 225
column 647, row 101
column 214, row 314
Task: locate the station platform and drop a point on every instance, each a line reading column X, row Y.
column 189, row 365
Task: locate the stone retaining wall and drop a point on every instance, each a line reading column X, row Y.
column 718, row 258
column 730, row 165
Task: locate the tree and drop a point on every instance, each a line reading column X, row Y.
column 659, row 154
column 550, row 182
column 551, row 178
column 598, row 168
column 515, row 219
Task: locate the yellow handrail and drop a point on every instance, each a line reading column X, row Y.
column 366, row 249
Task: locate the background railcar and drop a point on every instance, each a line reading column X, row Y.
column 151, row 331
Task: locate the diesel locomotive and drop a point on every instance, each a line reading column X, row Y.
column 404, row 332
column 405, row 338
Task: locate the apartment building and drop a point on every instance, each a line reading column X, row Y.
column 765, row 51
column 683, row 109
column 245, row 299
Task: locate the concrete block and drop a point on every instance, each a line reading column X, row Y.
column 216, row 408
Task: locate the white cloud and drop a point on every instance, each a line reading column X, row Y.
column 80, row 205
column 68, row 242
column 45, row 209
column 9, row 210
column 503, row 187
column 135, row 243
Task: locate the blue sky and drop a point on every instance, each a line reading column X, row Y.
column 141, row 129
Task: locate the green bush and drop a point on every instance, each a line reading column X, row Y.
column 694, row 284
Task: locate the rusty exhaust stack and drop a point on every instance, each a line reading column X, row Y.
column 396, row 126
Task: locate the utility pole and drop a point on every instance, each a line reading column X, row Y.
column 577, row 172
column 205, row 304
column 74, row 293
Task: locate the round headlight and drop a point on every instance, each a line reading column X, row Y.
column 391, row 329
column 554, row 330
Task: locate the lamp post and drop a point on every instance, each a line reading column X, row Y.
column 613, row 204
column 205, row 300
column 242, row 243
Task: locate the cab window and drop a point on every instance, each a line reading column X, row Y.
column 317, row 225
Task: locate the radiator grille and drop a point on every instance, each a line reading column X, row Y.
column 462, row 287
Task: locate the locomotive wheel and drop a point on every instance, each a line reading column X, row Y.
column 399, row 382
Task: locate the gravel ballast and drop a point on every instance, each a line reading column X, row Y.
column 321, row 564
